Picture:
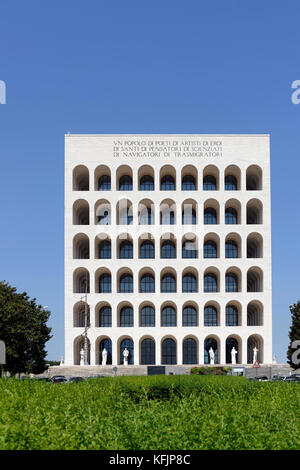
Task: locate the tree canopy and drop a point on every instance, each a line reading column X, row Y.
column 23, row 328
column 294, row 335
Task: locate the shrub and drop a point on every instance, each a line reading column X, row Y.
column 210, row 370
column 143, row 413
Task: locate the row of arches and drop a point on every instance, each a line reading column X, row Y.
column 167, row 281
column 192, row 351
column 145, row 214
column 167, row 246
column 189, row 178
column 168, row 314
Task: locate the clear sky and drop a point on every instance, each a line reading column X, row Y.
column 159, row 66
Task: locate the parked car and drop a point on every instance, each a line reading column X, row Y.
column 261, row 378
column 59, row 379
column 292, row 378
column 75, row 379
column 278, row 378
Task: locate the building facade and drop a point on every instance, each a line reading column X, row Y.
column 168, row 248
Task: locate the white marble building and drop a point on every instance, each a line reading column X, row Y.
column 169, row 237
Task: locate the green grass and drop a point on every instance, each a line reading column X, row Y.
column 160, row 412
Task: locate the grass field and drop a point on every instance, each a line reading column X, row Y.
column 159, row 413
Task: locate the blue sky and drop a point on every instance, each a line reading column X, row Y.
column 137, row 66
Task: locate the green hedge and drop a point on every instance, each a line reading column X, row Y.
column 210, row 370
column 158, row 412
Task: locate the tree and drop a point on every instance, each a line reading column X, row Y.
column 294, row 334
column 23, row 329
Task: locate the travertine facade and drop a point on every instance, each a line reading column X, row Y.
column 169, row 237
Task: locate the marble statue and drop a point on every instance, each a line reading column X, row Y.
column 212, row 356
column 125, row 355
column 233, row 355
column 104, row 357
column 82, row 357
column 255, row 351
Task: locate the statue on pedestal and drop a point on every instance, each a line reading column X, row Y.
column 82, row 357
column 255, row 351
column 104, row 357
column 233, row 355
column 125, row 356
column 211, row 356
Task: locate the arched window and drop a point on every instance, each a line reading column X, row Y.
column 167, row 212
column 125, row 183
column 81, row 178
column 189, row 316
column 147, row 249
column 168, row 316
column 231, row 316
column 230, row 183
column 81, row 281
column 210, row 249
column 188, row 183
column 105, row 283
column 125, row 216
column 81, row 214
column 81, row 247
column 126, row 316
column 254, row 212
column 147, row 283
column 189, row 249
column 106, row 343
column 168, row 283
column 146, row 183
column 104, row 183
column 127, row 343
column 254, row 178
column 126, row 249
column 105, row 249
column 209, row 183
column 168, row 352
column 126, row 283
column 210, row 316
column 105, row 317
column 231, row 216
column 168, row 249
column 146, row 216
column 147, row 316
column 254, row 280
column 210, row 216
column 167, row 218
column 210, row 283
column 79, row 315
column 167, row 183
column 189, row 351
column 189, row 283
column 254, row 247
column 231, row 249
column 254, row 314
column 189, row 217
column 147, row 352
column 231, row 281
column 104, row 218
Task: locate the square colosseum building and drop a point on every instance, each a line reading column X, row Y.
column 168, row 248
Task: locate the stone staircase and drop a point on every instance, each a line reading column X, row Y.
column 90, row 371
column 110, row 371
